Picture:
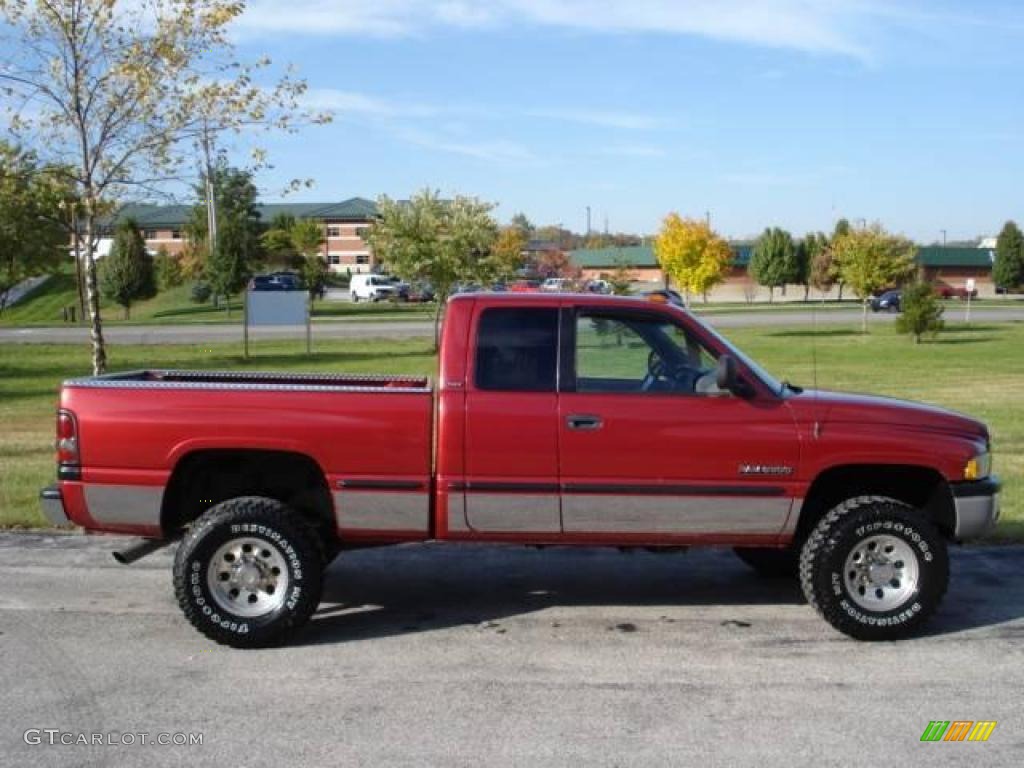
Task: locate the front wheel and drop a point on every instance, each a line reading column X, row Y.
column 248, row 573
column 874, row 569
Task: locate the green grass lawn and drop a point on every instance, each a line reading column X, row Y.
column 976, row 369
column 45, row 305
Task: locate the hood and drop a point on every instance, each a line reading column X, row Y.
column 842, row 407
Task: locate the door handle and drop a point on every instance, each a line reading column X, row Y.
column 582, row 421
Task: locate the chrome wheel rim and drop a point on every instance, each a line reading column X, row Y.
column 881, row 573
column 248, row 577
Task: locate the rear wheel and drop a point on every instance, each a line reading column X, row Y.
column 874, row 569
column 248, row 573
column 771, row 563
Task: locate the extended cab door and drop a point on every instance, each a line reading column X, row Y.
column 511, row 417
column 649, row 445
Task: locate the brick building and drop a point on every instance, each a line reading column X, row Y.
column 953, row 265
column 344, row 224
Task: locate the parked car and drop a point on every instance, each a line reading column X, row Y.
column 598, row 286
column 524, row 286
column 277, row 281
column 674, row 438
column 890, row 301
column 421, row 292
column 556, row 284
column 946, row 291
column 366, row 287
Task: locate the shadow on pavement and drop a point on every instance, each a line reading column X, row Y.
column 413, row 588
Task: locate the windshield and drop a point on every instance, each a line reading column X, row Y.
column 770, row 381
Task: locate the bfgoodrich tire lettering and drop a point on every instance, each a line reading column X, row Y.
column 292, row 551
column 829, row 580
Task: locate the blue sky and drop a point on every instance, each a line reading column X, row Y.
column 788, row 113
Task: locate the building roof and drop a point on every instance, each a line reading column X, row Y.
column 642, row 256
column 175, row 216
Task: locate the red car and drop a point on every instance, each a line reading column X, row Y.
column 556, row 419
column 947, row 291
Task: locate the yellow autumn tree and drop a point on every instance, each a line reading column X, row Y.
column 692, row 255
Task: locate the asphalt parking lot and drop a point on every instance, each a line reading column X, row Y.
column 440, row 655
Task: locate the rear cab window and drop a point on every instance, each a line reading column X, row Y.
column 517, row 349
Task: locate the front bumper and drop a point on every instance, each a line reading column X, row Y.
column 52, row 502
column 976, row 503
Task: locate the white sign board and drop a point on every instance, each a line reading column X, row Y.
column 970, row 285
column 277, row 307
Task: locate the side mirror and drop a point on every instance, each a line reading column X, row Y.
column 727, row 379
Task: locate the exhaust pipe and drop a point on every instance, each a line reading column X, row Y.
column 140, row 550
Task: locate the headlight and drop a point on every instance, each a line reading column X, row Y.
column 978, row 467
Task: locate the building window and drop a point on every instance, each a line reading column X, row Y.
column 333, row 259
column 362, row 232
column 175, row 234
column 149, row 234
column 334, row 231
column 362, row 258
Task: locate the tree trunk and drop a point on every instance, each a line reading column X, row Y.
column 92, row 294
column 127, row 311
column 437, row 322
column 840, row 292
column 864, row 316
column 807, row 292
column 771, row 294
column 78, row 274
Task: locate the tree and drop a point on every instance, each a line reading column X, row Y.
column 278, row 244
column 523, row 224
column 440, row 241
column 507, row 253
column 553, row 262
column 922, row 312
column 621, row 279
column 1008, row 269
column 126, row 274
column 842, row 227
column 307, row 236
column 691, row 254
column 120, row 92
column 233, row 258
column 871, row 260
column 824, row 269
column 773, row 262
column 808, row 251
column 168, row 270
column 32, row 240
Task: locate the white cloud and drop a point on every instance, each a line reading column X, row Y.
column 349, row 103
column 829, row 26
column 632, row 150
column 499, row 150
column 602, row 118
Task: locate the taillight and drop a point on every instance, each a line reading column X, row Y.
column 67, row 439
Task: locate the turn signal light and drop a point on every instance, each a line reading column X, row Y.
column 67, row 438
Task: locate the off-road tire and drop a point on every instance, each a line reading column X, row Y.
column 824, row 563
column 771, row 563
column 293, row 542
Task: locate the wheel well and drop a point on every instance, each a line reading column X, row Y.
column 921, row 487
column 204, row 478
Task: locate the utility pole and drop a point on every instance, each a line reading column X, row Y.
column 707, row 218
column 943, row 237
column 588, row 221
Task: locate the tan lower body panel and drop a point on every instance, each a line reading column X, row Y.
column 124, row 504
column 673, row 514
column 382, row 510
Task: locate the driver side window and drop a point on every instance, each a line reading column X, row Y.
column 636, row 353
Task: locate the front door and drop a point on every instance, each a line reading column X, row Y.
column 649, row 445
column 511, row 465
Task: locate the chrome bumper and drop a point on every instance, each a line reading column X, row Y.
column 977, row 506
column 53, row 506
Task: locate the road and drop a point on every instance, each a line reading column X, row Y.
column 198, row 334
column 439, row 655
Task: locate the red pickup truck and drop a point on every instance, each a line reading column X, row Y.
column 556, row 420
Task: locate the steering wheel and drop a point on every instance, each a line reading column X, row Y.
column 678, row 374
